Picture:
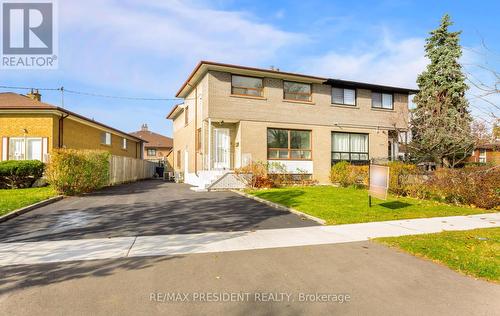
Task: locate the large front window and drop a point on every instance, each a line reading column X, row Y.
column 349, row 147
column 21, row 148
column 296, row 91
column 288, row 144
column 246, row 86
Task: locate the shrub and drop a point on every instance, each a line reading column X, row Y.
column 73, row 171
column 255, row 175
column 260, row 174
column 479, row 186
column 403, row 177
column 341, row 174
column 20, row 173
column 345, row 174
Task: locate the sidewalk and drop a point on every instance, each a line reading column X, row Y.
column 165, row 245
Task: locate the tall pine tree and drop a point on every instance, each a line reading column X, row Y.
column 441, row 122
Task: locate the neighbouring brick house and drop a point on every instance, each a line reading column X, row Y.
column 486, row 153
column 31, row 129
column 232, row 115
column 158, row 147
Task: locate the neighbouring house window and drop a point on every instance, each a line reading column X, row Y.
column 106, row 138
column 343, row 96
column 198, row 139
column 288, row 144
column 124, row 143
column 246, row 85
column 186, row 115
column 25, row 148
column 382, row 100
column 350, row 147
column 482, row 155
column 296, row 91
column 178, row 159
column 151, row 152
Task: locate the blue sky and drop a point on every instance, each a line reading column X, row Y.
column 147, row 48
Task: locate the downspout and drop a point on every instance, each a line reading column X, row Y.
column 60, row 136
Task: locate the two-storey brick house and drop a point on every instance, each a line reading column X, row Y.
column 232, row 115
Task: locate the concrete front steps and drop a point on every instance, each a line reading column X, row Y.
column 215, row 180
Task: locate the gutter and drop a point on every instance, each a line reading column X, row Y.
column 61, row 130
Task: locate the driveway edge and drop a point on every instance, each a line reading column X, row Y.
column 280, row 207
column 29, row 208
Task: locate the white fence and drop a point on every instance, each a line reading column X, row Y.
column 125, row 169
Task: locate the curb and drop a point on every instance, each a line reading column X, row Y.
column 31, row 207
column 280, row 207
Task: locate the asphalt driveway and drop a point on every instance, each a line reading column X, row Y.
column 146, row 208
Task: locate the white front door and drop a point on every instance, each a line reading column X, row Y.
column 221, row 144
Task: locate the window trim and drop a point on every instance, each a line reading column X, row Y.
column 334, row 161
column 124, row 143
column 289, row 149
column 298, row 100
column 261, row 95
column 382, row 100
column 343, row 98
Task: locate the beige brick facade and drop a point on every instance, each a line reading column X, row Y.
column 248, row 118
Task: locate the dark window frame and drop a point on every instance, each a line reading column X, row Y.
column 343, row 99
column 382, row 100
column 261, row 94
column 359, row 161
column 298, row 100
column 289, row 149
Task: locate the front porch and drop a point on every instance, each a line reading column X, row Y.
column 217, row 155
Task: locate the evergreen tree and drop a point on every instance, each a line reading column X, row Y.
column 441, row 122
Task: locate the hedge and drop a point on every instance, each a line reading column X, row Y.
column 73, row 172
column 20, row 173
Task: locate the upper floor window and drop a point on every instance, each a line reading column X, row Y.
column 246, row 85
column 124, row 143
column 106, row 138
column 344, row 96
column 382, row 100
column 288, row 144
column 297, row 91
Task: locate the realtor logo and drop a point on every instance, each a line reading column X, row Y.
column 29, row 38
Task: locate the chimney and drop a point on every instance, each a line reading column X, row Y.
column 35, row 95
column 144, row 127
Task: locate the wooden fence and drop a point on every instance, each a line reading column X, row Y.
column 125, row 169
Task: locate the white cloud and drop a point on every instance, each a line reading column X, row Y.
column 387, row 61
column 140, row 43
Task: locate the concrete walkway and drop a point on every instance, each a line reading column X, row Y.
column 162, row 245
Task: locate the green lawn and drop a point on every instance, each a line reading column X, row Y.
column 17, row 198
column 350, row 205
column 473, row 252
